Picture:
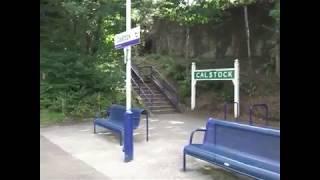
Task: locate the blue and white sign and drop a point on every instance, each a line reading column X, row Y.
column 128, row 38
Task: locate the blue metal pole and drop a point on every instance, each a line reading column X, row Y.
column 128, row 137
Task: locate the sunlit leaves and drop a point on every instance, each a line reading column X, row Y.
column 275, row 12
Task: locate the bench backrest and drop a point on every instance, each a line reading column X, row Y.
column 117, row 114
column 257, row 141
column 136, row 116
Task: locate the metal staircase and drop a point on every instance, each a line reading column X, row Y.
column 157, row 94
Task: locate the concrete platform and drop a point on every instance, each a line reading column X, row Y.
column 160, row 158
column 56, row 164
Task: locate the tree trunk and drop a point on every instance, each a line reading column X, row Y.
column 187, row 42
column 235, row 44
column 248, row 36
column 159, row 44
column 168, row 45
column 88, row 41
column 187, row 38
column 97, row 36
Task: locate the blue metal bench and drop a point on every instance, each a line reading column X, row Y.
column 249, row 150
column 115, row 120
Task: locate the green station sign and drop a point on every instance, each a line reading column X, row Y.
column 214, row 74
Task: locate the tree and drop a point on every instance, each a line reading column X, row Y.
column 78, row 62
column 275, row 13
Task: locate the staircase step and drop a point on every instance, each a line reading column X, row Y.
column 164, row 111
column 163, row 102
column 147, row 91
column 160, row 106
column 145, row 88
column 157, row 99
column 149, row 94
column 159, row 103
column 155, row 96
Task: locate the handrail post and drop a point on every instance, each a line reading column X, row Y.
column 146, row 113
column 225, row 111
column 267, row 113
column 250, row 115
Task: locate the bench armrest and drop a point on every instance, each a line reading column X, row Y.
column 192, row 133
column 97, row 115
column 102, row 114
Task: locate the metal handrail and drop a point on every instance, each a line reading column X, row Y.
column 163, row 84
column 135, row 69
column 164, row 80
column 141, row 90
column 140, row 78
column 152, row 69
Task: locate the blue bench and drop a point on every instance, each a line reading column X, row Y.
column 115, row 120
column 249, row 150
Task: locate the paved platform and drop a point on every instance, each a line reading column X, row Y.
column 56, row 164
column 160, row 158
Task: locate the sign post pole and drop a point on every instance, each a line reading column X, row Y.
column 124, row 41
column 128, row 128
column 193, row 86
column 236, row 89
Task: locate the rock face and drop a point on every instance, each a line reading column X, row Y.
column 208, row 40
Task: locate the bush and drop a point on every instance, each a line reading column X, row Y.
column 74, row 85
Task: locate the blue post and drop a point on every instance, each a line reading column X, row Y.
column 128, row 137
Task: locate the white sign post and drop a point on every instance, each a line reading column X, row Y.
column 216, row 74
column 124, row 41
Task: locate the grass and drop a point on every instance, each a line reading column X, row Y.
column 48, row 117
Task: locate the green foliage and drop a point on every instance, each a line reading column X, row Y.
column 184, row 88
column 199, row 13
column 275, row 13
column 249, row 88
column 80, row 71
column 227, row 96
column 72, row 83
column 48, row 117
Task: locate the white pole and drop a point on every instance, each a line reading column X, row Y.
column 193, row 86
column 128, row 56
column 236, row 88
column 125, row 55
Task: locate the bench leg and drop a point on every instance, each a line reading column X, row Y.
column 120, row 139
column 147, row 128
column 184, row 161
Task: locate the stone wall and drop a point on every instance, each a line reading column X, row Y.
column 211, row 41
